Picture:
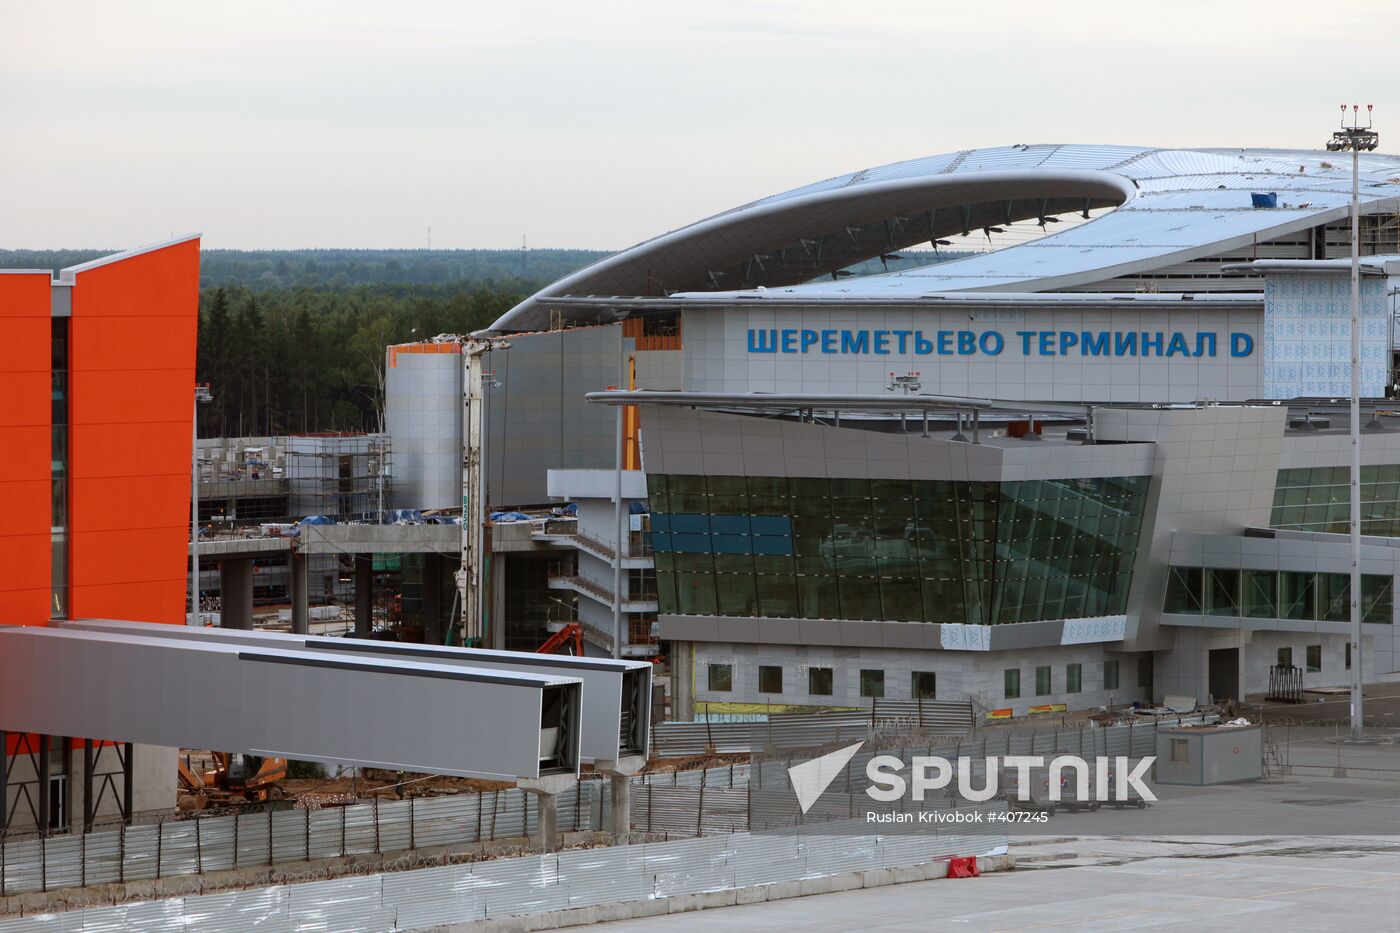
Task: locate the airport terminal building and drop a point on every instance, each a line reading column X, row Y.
column 1104, row 463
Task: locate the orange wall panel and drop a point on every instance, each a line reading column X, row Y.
column 24, row 440
column 162, row 448
column 27, row 452
column 153, row 601
column 130, row 396
column 133, row 349
column 163, row 496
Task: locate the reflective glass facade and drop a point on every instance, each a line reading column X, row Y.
column 894, row 550
column 1269, row 594
column 1316, row 499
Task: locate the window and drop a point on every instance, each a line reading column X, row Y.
column 1042, row 681
column 819, row 681
column 1260, row 596
column 1012, row 681
column 872, row 683
column 1297, row 595
column 1181, row 751
column 721, row 678
column 770, row 678
column 1348, row 656
column 1285, row 657
column 1110, row 675
column 1184, row 590
column 922, row 685
column 1223, row 592
column 1145, row 673
column 1073, row 678
column 1314, row 658
column 58, row 455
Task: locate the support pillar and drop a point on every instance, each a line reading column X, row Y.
column 620, row 788
column 236, row 593
column 683, row 681
column 364, row 594
column 434, row 630
column 5, row 763
column 620, row 774
column 497, row 584
column 45, row 750
column 296, row 572
column 546, row 790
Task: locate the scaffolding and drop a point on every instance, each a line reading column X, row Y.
column 341, row 476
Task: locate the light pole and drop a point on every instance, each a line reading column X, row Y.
column 202, row 396
column 1355, row 139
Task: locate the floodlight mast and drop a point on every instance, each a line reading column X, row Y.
column 1355, row 139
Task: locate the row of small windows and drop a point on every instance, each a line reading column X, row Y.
column 1312, row 657
column 1275, row 594
column 923, row 685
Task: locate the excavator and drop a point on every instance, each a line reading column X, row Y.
column 234, row 780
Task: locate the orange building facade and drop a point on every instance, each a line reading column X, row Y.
column 97, row 369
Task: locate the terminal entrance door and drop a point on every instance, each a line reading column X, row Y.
column 1224, row 674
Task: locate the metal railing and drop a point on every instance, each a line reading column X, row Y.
column 811, row 730
column 273, row 837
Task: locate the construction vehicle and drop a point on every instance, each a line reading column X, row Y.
column 570, row 638
column 234, row 780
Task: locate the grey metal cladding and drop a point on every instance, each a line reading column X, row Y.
column 602, row 678
column 180, row 693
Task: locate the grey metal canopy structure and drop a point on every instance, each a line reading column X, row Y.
column 1169, row 206
column 305, row 704
column 615, row 705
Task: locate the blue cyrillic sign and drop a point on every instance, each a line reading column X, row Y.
column 991, row 343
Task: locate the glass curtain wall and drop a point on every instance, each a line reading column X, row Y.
column 1316, row 499
column 59, row 467
column 894, row 550
column 1273, row 594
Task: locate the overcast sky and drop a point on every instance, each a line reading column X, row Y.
column 301, row 123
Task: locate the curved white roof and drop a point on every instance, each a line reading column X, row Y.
column 1172, row 205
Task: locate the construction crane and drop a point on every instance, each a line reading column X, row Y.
column 469, row 584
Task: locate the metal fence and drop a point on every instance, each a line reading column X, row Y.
column 159, row 850
column 493, row 890
column 811, row 730
column 707, row 802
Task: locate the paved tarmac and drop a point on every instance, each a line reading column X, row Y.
column 1098, row 884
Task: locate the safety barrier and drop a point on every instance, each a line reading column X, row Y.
column 494, row 890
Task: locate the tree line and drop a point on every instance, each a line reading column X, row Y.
column 312, row 359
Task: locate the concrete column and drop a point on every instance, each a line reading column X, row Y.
column 548, row 836
column 296, row 572
column 433, row 630
column 620, row 787
column 497, row 591
column 682, row 677
column 364, row 594
column 236, row 593
column 546, row 790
